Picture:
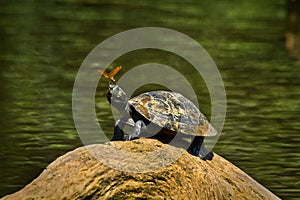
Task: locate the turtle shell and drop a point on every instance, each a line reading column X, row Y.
column 172, row 111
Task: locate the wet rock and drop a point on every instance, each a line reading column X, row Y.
column 80, row 175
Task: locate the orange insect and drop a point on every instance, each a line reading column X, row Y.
column 111, row 75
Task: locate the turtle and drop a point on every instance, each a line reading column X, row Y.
column 168, row 112
column 164, row 113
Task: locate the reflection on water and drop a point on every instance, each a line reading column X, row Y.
column 44, row 43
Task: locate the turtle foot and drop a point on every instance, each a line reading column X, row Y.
column 130, row 137
column 204, row 154
column 197, row 148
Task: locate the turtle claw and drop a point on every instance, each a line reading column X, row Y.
column 129, row 138
column 204, row 154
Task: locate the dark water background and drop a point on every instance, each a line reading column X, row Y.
column 43, row 44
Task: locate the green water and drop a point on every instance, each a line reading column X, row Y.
column 44, row 43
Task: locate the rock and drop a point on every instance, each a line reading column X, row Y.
column 79, row 175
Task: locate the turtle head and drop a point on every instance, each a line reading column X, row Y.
column 118, row 98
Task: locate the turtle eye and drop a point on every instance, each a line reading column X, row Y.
column 111, row 86
column 114, row 89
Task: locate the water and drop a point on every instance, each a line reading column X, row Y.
column 44, row 43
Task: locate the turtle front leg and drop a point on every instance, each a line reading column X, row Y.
column 197, row 148
column 139, row 125
column 124, row 123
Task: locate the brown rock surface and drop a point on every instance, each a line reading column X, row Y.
column 79, row 175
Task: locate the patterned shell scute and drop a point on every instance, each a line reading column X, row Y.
column 172, row 111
